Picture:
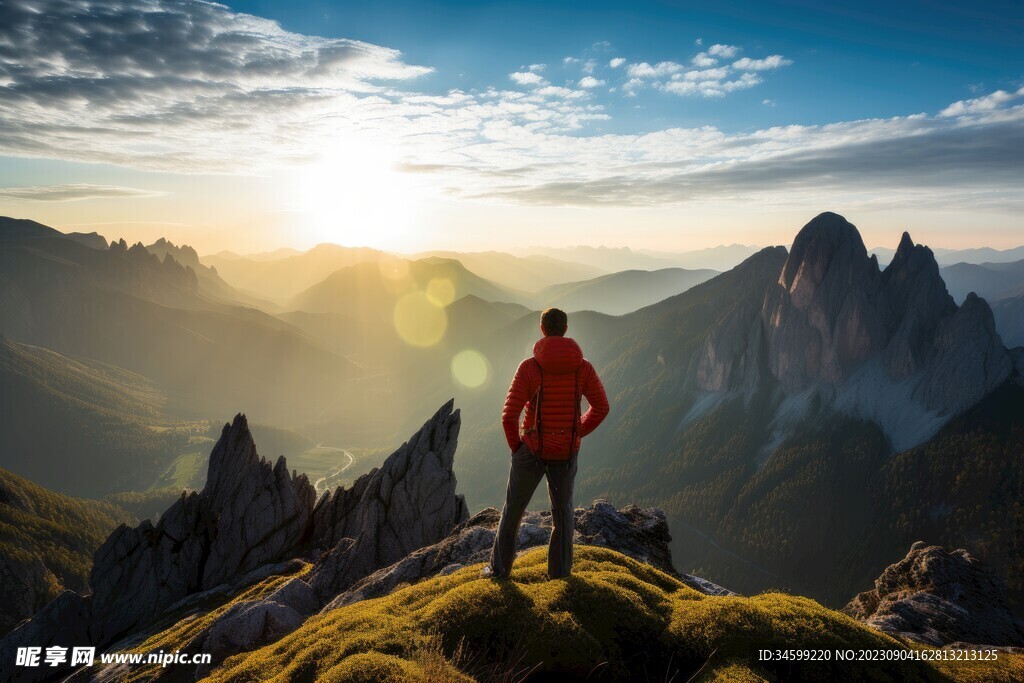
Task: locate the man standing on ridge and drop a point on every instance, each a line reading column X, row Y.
column 549, row 385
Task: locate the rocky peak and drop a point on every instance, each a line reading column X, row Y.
column 939, row 596
column 827, row 248
column 916, row 301
column 967, row 361
column 408, row 503
column 826, row 316
column 249, row 513
column 253, row 514
column 889, row 346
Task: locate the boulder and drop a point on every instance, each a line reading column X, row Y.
column 939, row 597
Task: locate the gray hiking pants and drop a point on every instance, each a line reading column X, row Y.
column 524, row 474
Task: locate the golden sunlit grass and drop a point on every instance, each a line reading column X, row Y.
column 614, row 619
column 180, row 635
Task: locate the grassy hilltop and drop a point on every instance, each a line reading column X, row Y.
column 615, row 619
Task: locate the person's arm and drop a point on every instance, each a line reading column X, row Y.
column 515, row 401
column 593, row 391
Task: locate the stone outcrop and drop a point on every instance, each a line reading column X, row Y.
column 639, row 533
column 939, row 596
column 252, row 520
column 408, row 503
column 250, row 513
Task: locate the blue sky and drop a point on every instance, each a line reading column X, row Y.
column 460, row 125
column 850, row 60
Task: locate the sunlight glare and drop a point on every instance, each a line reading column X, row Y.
column 351, row 194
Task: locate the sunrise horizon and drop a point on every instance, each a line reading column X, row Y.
column 252, row 126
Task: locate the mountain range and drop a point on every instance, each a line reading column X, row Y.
column 801, row 418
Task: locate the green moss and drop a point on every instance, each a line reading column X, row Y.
column 614, row 619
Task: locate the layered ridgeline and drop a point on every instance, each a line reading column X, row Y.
column 802, row 418
column 382, row 581
column 183, row 333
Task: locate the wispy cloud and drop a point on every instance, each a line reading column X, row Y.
column 73, row 192
column 770, row 62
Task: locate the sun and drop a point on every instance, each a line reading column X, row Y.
column 351, row 194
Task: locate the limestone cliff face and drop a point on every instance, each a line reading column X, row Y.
column 826, row 315
column 890, row 346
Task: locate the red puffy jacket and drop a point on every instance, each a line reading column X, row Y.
column 566, row 377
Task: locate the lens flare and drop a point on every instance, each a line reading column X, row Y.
column 441, row 291
column 394, row 268
column 469, row 368
column 418, row 320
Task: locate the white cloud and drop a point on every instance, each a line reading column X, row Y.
column 698, row 42
column 567, row 61
column 590, row 82
column 659, row 70
column 770, row 62
column 537, row 68
column 723, row 51
column 277, row 98
column 979, row 105
column 527, row 78
column 559, row 91
column 589, row 66
column 768, row 103
column 617, row 62
column 702, row 59
column 704, row 74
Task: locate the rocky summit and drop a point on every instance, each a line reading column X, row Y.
column 640, row 533
column 939, row 597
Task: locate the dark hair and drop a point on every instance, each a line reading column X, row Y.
column 554, row 322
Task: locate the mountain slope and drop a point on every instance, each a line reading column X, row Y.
column 623, row 292
column 992, row 281
column 368, row 291
column 526, row 274
column 126, row 307
column 462, row 627
column 1009, row 315
column 46, row 544
column 81, row 426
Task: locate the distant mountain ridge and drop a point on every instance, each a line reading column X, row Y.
column 622, row 292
